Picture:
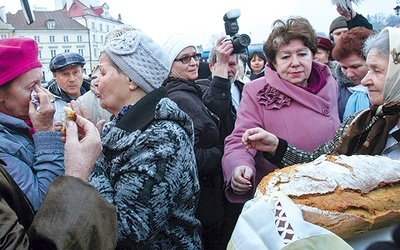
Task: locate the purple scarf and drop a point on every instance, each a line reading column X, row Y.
column 316, row 81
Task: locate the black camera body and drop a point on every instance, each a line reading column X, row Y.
column 240, row 42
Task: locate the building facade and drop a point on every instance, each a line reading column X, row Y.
column 76, row 27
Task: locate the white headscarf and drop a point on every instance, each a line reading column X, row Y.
column 391, row 91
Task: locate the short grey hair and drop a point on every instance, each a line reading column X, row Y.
column 212, row 57
column 378, row 42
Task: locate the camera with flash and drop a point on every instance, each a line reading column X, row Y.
column 240, row 42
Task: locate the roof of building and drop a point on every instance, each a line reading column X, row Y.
column 78, row 9
column 4, row 25
column 62, row 21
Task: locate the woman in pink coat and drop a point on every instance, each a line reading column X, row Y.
column 296, row 100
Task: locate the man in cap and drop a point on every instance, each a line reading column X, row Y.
column 337, row 28
column 347, row 20
column 68, row 82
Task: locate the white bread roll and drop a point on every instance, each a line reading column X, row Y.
column 347, row 195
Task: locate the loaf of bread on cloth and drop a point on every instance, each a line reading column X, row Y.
column 347, row 195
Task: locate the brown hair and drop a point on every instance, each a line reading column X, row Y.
column 284, row 33
column 351, row 43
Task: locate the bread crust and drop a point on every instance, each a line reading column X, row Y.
column 347, row 195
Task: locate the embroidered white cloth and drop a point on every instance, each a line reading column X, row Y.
column 274, row 221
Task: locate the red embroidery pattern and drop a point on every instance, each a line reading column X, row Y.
column 284, row 229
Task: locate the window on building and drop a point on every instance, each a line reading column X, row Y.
column 79, row 38
column 95, row 52
column 40, row 54
column 66, row 50
column 101, row 27
column 93, row 26
column 94, row 38
column 37, row 38
column 101, row 39
column 53, row 53
column 52, row 39
column 51, row 24
column 2, row 36
column 80, row 52
column 108, row 28
column 65, row 39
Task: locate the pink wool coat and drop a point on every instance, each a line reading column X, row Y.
column 302, row 118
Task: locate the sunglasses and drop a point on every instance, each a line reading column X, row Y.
column 187, row 59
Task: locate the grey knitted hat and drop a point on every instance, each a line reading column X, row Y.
column 337, row 23
column 140, row 58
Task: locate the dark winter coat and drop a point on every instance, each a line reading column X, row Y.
column 148, row 171
column 207, row 106
column 228, row 123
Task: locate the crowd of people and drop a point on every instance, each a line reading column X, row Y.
column 160, row 157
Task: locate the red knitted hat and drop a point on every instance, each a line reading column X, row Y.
column 17, row 56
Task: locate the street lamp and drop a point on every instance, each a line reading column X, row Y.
column 397, row 8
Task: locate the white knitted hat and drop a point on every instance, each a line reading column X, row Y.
column 175, row 44
column 139, row 57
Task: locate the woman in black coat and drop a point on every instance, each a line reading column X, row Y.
column 206, row 105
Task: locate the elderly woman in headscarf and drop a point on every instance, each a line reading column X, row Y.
column 373, row 131
column 147, row 168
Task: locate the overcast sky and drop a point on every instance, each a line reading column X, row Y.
column 202, row 19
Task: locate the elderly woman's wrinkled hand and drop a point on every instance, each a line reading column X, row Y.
column 81, row 148
column 42, row 118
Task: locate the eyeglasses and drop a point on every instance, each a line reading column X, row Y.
column 187, row 59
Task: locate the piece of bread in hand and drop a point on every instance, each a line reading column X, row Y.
column 347, row 195
column 68, row 115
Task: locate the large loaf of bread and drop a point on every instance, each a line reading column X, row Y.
column 347, row 195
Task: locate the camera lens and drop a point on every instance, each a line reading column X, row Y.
column 243, row 40
column 240, row 43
